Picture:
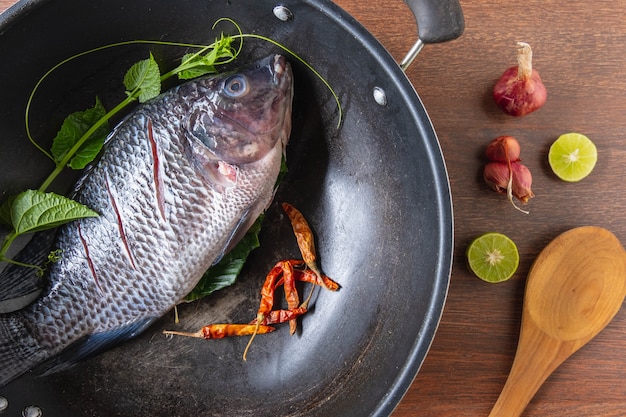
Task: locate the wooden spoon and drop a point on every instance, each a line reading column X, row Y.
column 575, row 287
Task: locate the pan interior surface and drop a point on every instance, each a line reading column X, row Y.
column 374, row 190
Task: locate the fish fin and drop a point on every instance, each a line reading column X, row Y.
column 91, row 345
column 242, row 227
column 20, row 285
column 19, row 351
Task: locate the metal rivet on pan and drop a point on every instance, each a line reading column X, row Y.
column 32, row 411
column 379, row 96
column 4, row 404
column 282, row 13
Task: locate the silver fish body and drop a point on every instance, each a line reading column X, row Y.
column 178, row 183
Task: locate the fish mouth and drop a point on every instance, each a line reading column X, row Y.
column 279, row 68
column 283, row 74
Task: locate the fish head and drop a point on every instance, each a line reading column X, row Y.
column 247, row 112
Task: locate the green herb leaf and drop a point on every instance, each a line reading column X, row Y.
column 282, row 172
column 74, row 127
column 33, row 211
column 143, row 79
column 195, row 65
column 225, row 272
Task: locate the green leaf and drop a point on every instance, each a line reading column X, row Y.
column 33, row 211
column 282, row 172
column 143, row 79
column 226, row 271
column 196, row 65
column 88, row 151
column 74, row 127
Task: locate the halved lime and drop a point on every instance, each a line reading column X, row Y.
column 572, row 156
column 492, row 257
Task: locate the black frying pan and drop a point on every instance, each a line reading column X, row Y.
column 375, row 191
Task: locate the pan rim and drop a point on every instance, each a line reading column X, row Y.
column 410, row 97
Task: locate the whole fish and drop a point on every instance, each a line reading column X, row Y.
column 179, row 182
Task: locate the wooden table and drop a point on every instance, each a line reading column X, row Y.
column 580, row 50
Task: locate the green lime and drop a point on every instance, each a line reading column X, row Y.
column 493, row 257
column 572, row 156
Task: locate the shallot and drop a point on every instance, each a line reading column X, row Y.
column 498, row 175
column 505, row 173
column 519, row 90
column 503, row 149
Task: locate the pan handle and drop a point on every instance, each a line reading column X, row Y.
column 437, row 21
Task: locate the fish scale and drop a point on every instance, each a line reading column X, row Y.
column 171, row 198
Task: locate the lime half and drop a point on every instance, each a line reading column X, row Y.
column 572, row 156
column 493, row 257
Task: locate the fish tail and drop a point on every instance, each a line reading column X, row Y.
column 19, row 351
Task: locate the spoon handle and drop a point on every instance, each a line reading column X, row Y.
column 537, row 356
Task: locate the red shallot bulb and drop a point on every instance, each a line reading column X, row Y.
column 517, row 181
column 497, row 175
column 519, row 90
column 503, row 149
column 522, row 180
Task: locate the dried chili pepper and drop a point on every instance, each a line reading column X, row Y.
column 267, row 291
column 267, row 299
column 309, row 276
column 291, row 293
column 303, row 233
column 281, row 316
column 305, row 239
column 220, row 331
column 288, row 278
column 281, row 274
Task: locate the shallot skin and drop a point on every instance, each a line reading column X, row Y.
column 522, row 181
column 503, row 149
column 519, row 97
column 497, row 177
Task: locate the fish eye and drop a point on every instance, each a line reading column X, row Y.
column 235, row 86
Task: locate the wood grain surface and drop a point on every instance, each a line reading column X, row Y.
column 580, row 51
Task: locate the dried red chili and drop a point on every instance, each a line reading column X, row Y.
column 281, row 316
column 267, row 291
column 220, row 331
column 267, row 296
column 291, row 293
column 303, row 233
column 309, row 276
column 305, row 239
